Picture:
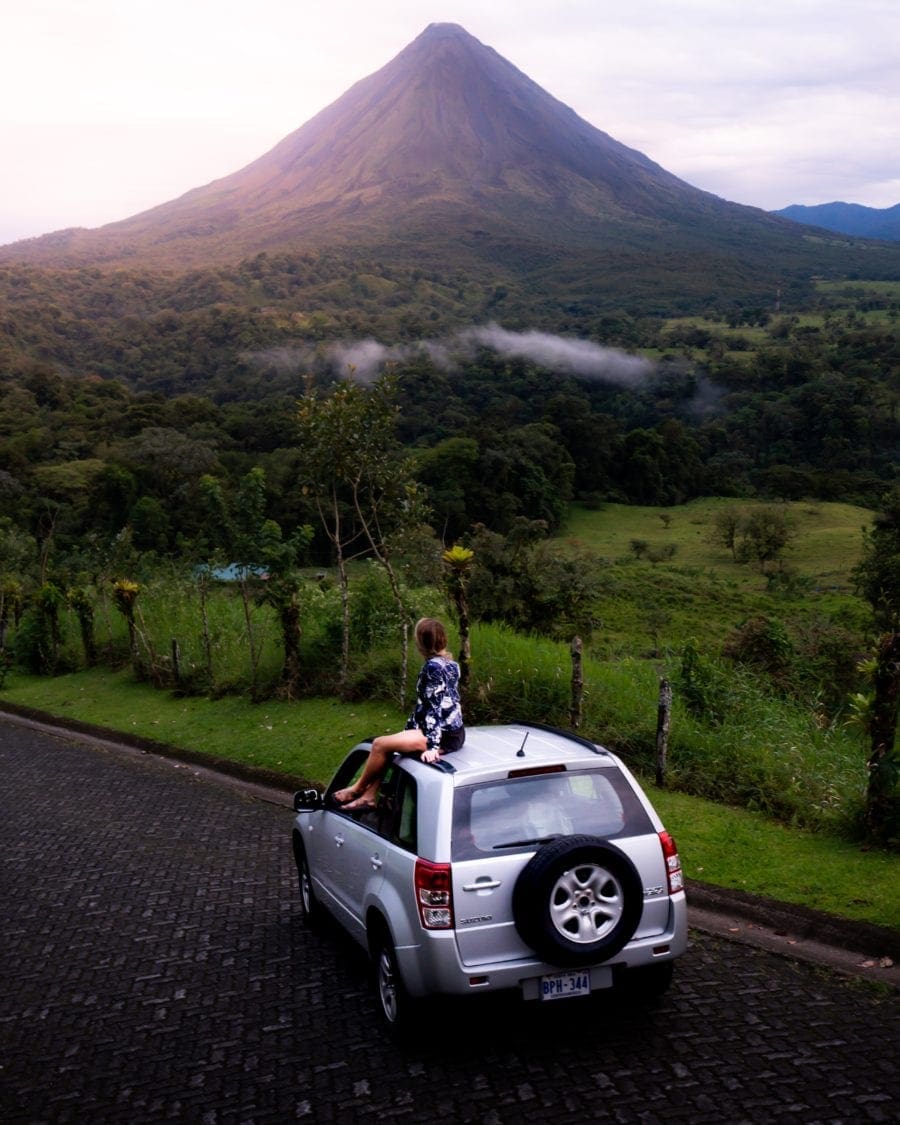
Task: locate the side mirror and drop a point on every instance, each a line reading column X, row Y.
column 307, row 800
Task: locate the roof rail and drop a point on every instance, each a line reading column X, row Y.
column 579, row 738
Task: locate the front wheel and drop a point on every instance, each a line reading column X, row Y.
column 312, row 911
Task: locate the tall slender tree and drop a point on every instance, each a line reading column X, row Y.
column 878, row 580
column 266, row 565
column 362, row 484
column 458, row 563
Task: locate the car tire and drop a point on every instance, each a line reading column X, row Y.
column 309, row 904
column 577, row 901
column 396, row 1007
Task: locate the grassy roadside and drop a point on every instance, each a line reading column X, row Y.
column 305, row 739
column 720, row 845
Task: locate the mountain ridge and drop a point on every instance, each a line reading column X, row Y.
column 848, row 218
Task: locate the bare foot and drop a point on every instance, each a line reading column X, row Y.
column 342, row 796
column 360, row 803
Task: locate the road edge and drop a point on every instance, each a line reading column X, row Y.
column 859, row 949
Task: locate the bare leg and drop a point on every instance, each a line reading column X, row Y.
column 365, row 790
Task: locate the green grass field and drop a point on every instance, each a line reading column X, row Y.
column 839, row 298
column 827, row 546
column 702, row 593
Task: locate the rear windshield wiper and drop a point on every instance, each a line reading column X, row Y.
column 522, row 843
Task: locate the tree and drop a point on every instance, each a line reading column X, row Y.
column 765, row 533
column 82, row 602
column 283, row 591
column 113, row 496
column 125, row 593
column 458, row 563
column 877, row 576
column 150, row 525
column 643, row 466
column 251, row 536
column 18, row 551
column 362, row 484
column 38, row 642
column 759, row 535
column 878, row 579
column 882, row 801
column 266, row 564
column 451, row 474
column 531, row 584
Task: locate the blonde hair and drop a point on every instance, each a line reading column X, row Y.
column 431, row 637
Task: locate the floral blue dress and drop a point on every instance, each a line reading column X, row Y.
column 437, row 708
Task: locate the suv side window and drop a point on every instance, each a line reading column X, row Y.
column 407, row 834
column 394, row 816
column 348, row 773
column 396, row 812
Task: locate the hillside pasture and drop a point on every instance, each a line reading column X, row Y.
column 647, row 609
column 827, row 546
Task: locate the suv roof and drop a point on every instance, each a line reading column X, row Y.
column 494, row 751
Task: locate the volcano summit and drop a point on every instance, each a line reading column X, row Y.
column 450, row 152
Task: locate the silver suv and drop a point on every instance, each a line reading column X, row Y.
column 529, row 860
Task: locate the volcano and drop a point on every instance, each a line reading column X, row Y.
column 450, row 151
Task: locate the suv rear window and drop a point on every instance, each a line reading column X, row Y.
column 523, row 812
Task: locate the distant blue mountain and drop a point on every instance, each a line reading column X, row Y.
column 848, row 218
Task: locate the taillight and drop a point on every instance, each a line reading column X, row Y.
column 673, row 863
column 434, row 895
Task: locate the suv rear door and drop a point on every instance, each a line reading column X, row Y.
column 499, row 825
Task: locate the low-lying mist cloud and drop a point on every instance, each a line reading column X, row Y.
column 560, row 353
column 363, row 359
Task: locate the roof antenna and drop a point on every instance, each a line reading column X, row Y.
column 520, row 753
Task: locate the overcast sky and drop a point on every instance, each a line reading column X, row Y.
column 108, row 107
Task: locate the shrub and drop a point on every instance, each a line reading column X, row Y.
column 704, row 685
column 37, row 646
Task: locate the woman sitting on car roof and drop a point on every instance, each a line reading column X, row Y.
column 434, row 727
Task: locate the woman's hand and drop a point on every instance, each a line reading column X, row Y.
column 430, row 755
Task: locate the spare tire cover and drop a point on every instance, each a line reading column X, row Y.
column 577, row 901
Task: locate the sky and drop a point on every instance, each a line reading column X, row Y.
column 109, row 107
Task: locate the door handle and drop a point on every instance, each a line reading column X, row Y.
column 482, row 885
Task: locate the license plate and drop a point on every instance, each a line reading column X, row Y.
column 560, row 985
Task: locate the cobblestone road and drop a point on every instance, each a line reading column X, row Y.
column 154, row 967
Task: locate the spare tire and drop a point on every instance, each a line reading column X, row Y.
column 577, row 901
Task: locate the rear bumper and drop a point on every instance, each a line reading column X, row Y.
column 433, row 966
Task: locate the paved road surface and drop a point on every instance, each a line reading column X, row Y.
column 154, row 967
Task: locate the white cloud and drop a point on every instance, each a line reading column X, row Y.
column 363, row 359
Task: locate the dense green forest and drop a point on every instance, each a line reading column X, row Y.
column 296, row 416
column 119, row 392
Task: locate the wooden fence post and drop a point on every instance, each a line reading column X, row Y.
column 663, row 718
column 575, row 712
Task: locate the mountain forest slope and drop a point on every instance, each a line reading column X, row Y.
column 450, row 158
column 445, row 193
